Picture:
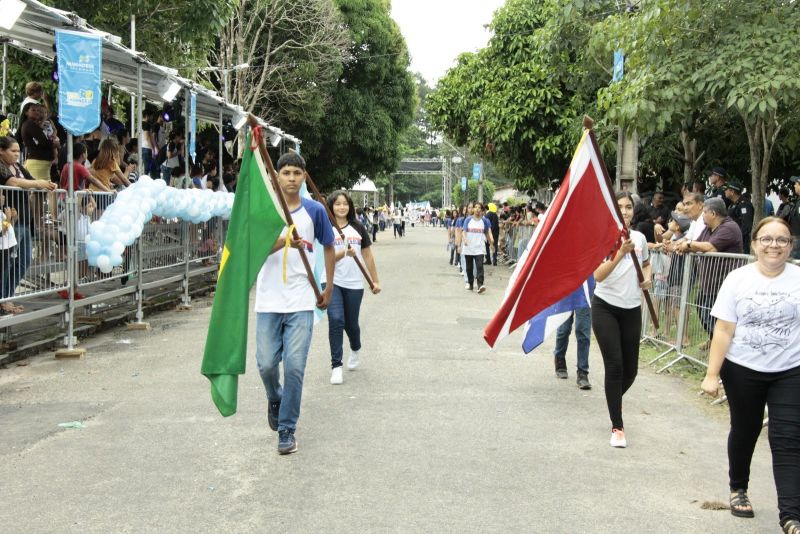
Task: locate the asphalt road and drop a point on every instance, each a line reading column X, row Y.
column 434, row 433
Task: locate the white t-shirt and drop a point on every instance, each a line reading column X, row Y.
column 621, row 287
column 347, row 273
column 767, row 316
column 695, row 228
column 8, row 239
column 272, row 294
column 474, row 236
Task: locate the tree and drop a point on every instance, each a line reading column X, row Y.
column 174, row 33
column 690, row 64
column 371, row 104
column 459, row 198
column 751, row 66
column 417, row 140
column 294, row 52
column 519, row 101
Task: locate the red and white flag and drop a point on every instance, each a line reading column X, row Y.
column 579, row 229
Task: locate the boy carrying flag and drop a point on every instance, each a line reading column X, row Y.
column 285, row 302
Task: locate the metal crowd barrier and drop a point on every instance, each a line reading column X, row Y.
column 514, row 239
column 684, row 290
column 46, row 272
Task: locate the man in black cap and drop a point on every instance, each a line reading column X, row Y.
column 741, row 211
column 717, row 181
column 792, row 216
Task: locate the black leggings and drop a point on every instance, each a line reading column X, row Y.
column 617, row 331
column 748, row 391
column 478, row 262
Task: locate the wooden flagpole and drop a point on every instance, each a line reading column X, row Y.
column 588, row 123
column 332, row 217
column 259, row 140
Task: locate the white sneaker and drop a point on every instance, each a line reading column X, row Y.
column 618, row 439
column 352, row 361
column 336, row 376
column 467, row 286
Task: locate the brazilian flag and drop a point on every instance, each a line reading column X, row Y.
column 256, row 223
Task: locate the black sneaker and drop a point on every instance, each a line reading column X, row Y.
column 583, row 380
column 561, row 368
column 286, row 442
column 272, row 414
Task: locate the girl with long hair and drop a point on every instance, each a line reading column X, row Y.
column 617, row 316
column 348, row 283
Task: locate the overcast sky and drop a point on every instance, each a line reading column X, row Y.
column 437, row 31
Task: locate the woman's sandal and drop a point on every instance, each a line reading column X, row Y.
column 740, row 504
column 791, row 526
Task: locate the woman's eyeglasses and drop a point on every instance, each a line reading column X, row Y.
column 768, row 241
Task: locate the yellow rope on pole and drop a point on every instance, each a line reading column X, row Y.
column 288, row 243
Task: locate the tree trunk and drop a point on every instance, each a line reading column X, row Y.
column 754, row 140
column 689, row 148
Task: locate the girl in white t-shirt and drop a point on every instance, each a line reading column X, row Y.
column 8, row 240
column 756, row 351
column 348, row 282
column 617, row 316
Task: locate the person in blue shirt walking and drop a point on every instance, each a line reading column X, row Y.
column 582, row 318
column 475, row 232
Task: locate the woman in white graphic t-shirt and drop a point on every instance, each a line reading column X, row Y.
column 756, row 352
column 348, row 283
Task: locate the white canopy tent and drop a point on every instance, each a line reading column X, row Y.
column 365, row 186
column 128, row 70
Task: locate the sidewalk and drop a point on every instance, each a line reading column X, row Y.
column 434, row 433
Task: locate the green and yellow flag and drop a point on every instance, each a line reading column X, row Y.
column 256, row 223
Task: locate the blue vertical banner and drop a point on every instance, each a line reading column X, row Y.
column 80, row 59
column 619, row 66
column 463, row 183
column 193, row 126
column 476, row 171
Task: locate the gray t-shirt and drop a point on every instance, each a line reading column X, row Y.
column 767, row 316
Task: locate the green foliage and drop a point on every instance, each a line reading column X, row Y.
column 23, row 68
column 370, row 106
column 459, row 197
column 417, row 140
column 705, row 70
column 520, row 101
column 174, row 33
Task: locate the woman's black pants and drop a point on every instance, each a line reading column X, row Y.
column 617, row 331
column 748, row 392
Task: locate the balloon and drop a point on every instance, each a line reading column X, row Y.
column 92, row 248
column 104, row 263
column 117, row 248
column 116, row 261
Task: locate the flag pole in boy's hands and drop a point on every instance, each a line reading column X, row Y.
column 324, row 202
column 259, row 141
column 588, row 124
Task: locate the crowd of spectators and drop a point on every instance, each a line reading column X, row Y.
column 33, row 163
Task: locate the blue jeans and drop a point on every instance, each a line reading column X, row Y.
column 287, row 337
column 147, row 161
column 17, row 267
column 343, row 317
column 583, row 333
